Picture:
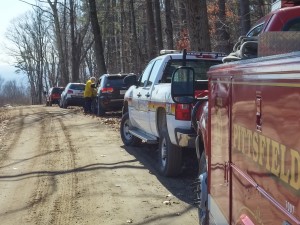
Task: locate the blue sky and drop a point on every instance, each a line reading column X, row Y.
column 9, row 10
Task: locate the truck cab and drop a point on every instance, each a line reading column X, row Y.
column 285, row 18
column 151, row 116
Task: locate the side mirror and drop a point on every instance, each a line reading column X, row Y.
column 130, row 80
column 182, row 85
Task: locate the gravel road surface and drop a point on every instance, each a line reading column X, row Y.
column 60, row 167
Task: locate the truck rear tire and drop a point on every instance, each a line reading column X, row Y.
column 201, row 192
column 65, row 104
column 127, row 138
column 170, row 156
column 100, row 110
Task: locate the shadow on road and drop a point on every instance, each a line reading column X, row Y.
column 181, row 186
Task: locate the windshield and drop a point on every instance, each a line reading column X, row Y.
column 200, row 67
column 77, row 87
column 115, row 81
column 255, row 31
column 57, row 90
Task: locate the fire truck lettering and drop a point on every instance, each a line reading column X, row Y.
column 295, row 170
column 273, row 156
column 243, row 131
column 255, row 147
column 275, row 169
column 268, row 166
column 236, row 136
column 249, row 137
column 264, row 145
column 284, row 175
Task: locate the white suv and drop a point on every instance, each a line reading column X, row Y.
column 72, row 95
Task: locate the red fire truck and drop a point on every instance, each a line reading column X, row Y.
column 248, row 143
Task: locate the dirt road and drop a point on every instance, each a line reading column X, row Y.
column 60, row 167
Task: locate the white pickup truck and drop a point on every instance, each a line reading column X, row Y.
column 149, row 113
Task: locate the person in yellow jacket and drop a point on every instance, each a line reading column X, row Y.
column 89, row 93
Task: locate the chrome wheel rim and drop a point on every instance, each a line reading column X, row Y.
column 126, row 132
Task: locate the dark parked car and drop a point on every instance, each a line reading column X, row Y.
column 72, row 95
column 53, row 95
column 110, row 94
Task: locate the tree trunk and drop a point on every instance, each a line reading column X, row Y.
column 223, row 44
column 122, row 46
column 158, row 25
column 137, row 53
column 150, row 30
column 198, row 25
column 98, row 38
column 62, row 60
column 245, row 16
column 169, row 25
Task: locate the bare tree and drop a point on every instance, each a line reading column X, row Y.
column 169, row 25
column 59, row 41
column 158, row 25
column 223, row 40
column 151, row 30
column 29, row 35
column 97, row 37
column 198, row 25
column 245, row 16
column 13, row 93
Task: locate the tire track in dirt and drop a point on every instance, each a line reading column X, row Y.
column 64, row 201
column 13, row 134
column 23, row 171
column 52, row 202
column 45, row 184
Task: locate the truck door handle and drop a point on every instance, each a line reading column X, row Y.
column 147, row 95
column 139, row 95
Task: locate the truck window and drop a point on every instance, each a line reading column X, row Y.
column 200, row 67
column 292, row 25
column 146, row 74
column 154, row 72
column 255, row 31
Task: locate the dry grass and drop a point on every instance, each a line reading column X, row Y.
column 4, row 114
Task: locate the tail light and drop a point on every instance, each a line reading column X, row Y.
column 70, row 92
column 107, row 90
column 183, row 112
column 55, row 95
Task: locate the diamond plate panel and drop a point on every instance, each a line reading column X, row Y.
column 273, row 43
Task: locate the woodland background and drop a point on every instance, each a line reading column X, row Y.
column 63, row 41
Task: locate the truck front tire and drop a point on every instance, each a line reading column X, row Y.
column 127, row 138
column 170, row 156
